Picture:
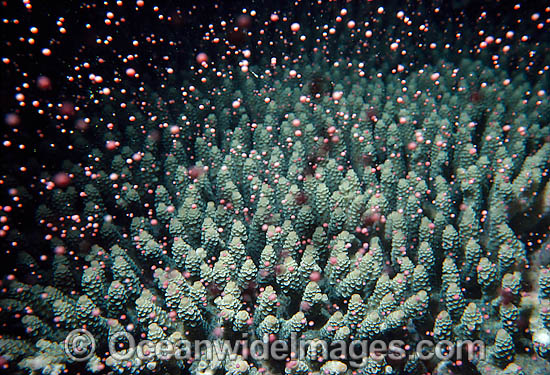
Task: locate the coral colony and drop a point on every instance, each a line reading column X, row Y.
column 326, row 171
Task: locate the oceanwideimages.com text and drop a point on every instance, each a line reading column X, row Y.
column 80, row 346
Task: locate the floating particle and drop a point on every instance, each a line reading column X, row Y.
column 67, row 108
column 62, row 180
column 337, row 95
column 43, row 83
column 111, row 145
column 12, row 119
column 130, row 72
column 81, row 125
column 244, row 21
column 315, row 276
column 202, row 58
column 195, row 172
column 60, row 250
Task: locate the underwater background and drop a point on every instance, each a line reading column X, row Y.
column 336, row 171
